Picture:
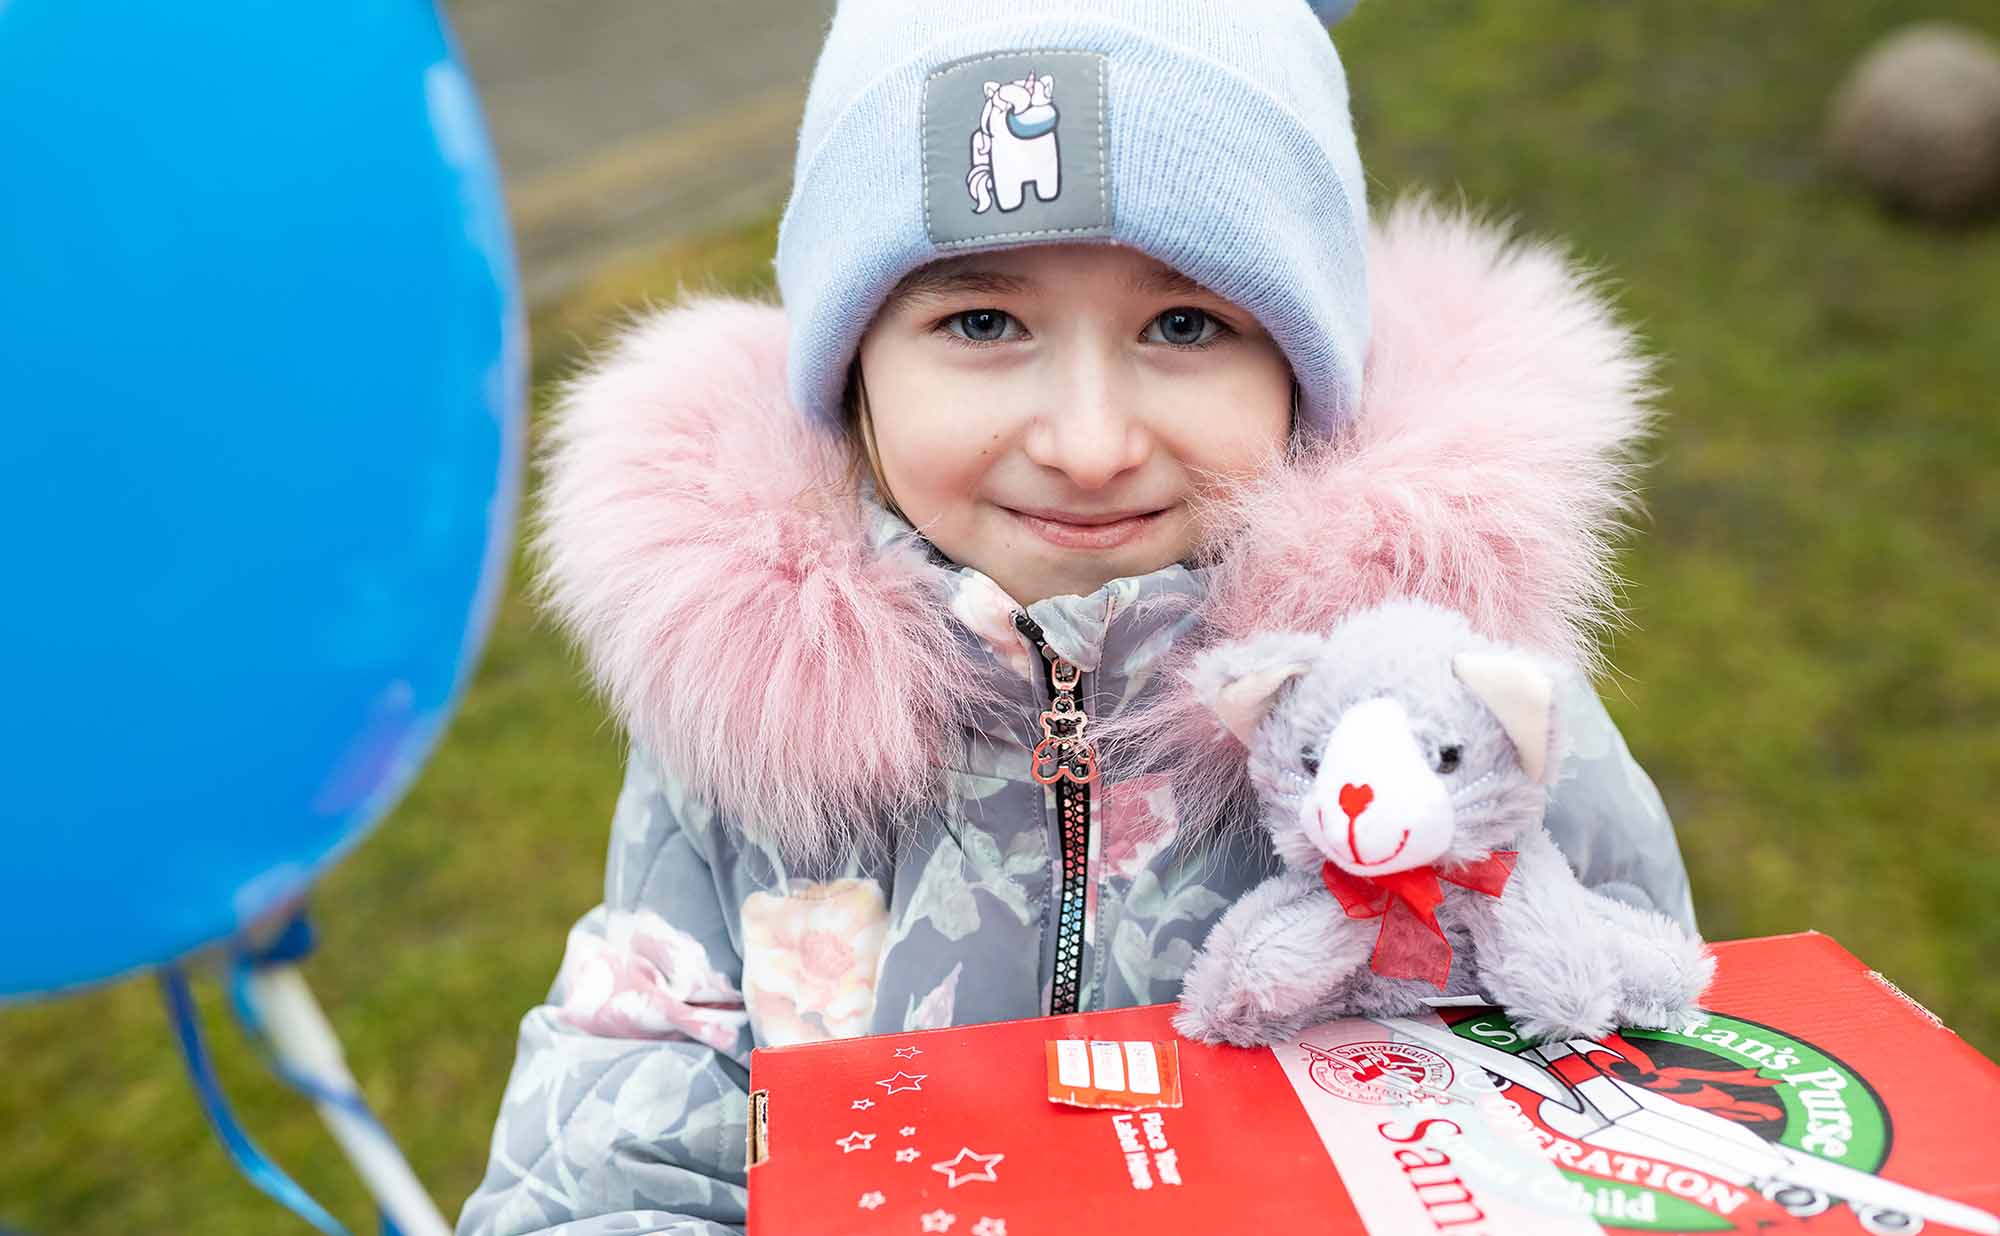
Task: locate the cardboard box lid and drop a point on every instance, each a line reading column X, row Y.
column 1815, row 1097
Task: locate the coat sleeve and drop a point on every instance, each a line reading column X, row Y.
column 626, row 1109
column 1607, row 817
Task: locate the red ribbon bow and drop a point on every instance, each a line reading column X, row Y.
column 1411, row 944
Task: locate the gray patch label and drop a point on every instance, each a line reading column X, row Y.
column 1015, row 149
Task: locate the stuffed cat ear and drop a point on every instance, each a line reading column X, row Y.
column 1240, row 682
column 1521, row 696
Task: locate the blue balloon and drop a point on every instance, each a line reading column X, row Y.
column 261, row 372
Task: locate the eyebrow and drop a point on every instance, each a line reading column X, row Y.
column 935, row 284
column 932, row 284
column 1165, row 281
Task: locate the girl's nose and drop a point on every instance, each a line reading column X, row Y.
column 1089, row 431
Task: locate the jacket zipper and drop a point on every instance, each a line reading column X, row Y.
column 1066, row 759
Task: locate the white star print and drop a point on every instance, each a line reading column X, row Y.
column 891, row 1085
column 909, row 1130
column 870, row 1201
column 938, row 1220
column 988, row 1226
column 906, row 1053
column 953, row 1168
column 907, row 1154
column 854, row 1141
column 862, row 1105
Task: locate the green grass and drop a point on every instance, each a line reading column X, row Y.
column 1811, row 676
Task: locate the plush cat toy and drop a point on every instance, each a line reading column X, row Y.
column 1403, row 765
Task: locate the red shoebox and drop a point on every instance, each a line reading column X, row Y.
column 1815, row 1097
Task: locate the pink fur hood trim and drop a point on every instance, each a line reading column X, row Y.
column 705, row 547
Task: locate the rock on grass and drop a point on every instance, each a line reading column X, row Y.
column 1918, row 121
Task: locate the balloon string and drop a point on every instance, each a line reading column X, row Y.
column 252, row 1162
column 252, row 1022
column 277, row 1013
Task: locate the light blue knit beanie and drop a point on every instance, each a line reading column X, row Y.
column 1213, row 135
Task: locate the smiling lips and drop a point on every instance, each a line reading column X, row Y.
column 1073, row 531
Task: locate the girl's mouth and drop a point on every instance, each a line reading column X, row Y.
column 1069, row 530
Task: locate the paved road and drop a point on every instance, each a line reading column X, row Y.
column 623, row 125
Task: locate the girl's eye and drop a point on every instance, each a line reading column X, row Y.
column 1448, row 759
column 1309, row 760
column 979, row 325
column 1184, row 327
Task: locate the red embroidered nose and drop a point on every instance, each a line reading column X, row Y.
column 1354, row 800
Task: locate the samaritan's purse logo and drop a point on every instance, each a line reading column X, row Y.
column 1382, row 1073
column 1709, row 1126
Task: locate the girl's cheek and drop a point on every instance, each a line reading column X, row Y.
column 944, row 422
column 1230, row 425
column 946, row 436
column 936, row 464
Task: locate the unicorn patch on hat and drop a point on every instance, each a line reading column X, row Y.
column 1048, row 174
column 1015, row 145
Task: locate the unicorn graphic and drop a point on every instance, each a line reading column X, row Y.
column 1015, row 144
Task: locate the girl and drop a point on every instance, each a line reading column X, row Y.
column 1068, row 384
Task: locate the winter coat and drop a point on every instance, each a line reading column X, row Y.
column 829, row 826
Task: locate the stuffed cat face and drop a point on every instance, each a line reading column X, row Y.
column 1402, row 739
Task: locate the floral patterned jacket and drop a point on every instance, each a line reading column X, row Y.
column 829, row 825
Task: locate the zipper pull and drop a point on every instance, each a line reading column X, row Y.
column 1065, row 752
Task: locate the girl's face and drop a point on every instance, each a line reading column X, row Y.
column 1049, row 415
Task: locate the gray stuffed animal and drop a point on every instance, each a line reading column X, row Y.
column 1403, row 766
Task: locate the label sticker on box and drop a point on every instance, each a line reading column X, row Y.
column 1142, row 1068
column 1072, row 1063
column 1107, row 1066
column 1100, row 1073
